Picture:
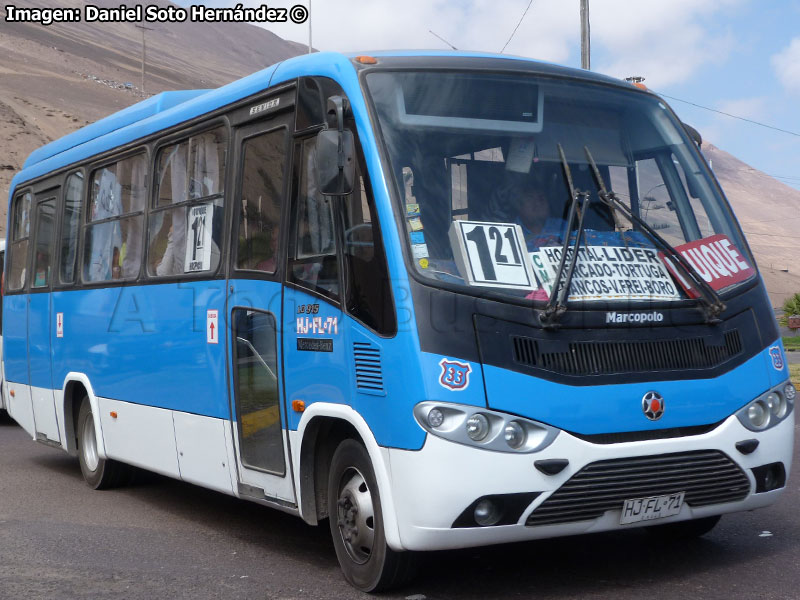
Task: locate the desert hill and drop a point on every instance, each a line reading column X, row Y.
column 56, row 79
column 769, row 213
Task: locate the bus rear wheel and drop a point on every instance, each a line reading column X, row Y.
column 356, row 522
column 99, row 473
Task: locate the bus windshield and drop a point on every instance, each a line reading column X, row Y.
column 486, row 202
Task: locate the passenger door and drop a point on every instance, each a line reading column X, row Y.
column 254, row 310
column 317, row 367
column 40, row 366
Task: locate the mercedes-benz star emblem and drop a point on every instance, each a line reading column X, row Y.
column 653, row 405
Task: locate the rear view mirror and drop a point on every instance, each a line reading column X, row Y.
column 335, row 153
column 694, row 134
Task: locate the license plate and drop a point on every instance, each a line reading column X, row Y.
column 647, row 509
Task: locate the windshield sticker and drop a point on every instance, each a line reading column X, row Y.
column 455, row 375
column 491, row 254
column 777, row 357
column 412, row 210
column 415, row 224
column 198, row 239
column 420, row 252
column 716, row 259
column 609, row 273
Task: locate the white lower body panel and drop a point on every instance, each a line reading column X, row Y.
column 18, row 405
column 433, row 486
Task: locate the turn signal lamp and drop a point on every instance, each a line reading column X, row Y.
column 298, row 405
column 636, row 81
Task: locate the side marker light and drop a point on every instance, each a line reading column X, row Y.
column 298, row 405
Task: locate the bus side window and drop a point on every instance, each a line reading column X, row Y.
column 367, row 290
column 260, row 202
column 184, row 227
column 73, row 200
column 45, row 223
column 20, row 236
column 312, row 257
column 113, row 248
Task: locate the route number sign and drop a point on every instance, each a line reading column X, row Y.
column 492, row 255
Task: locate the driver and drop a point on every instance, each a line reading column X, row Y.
column 523, row 202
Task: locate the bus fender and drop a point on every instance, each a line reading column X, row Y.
column 93, row 402
column 378, row 457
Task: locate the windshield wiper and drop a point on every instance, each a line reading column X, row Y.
column 713, row 306
column 557, row 304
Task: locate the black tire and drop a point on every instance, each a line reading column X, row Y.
column 352, row 495
column 99, row 473
column 683, row 530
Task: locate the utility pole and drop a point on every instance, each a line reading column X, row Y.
column 586, row 52
column 144, row 52
column 309, row 26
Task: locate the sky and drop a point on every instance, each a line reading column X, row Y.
column 737, row 56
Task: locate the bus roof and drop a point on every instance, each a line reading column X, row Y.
column 172, row 108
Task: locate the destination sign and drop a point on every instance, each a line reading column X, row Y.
column 716, row 259
column 608, row 273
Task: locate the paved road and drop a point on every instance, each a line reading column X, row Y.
column 165, row 539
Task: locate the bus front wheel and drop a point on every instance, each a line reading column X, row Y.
column 356, row 522
column 99, row 473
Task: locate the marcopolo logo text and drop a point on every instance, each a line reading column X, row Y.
column 637, row 317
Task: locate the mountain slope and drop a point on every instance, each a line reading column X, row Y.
column 56, row 79
column 769, row 213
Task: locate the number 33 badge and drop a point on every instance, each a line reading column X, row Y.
column 455, row 374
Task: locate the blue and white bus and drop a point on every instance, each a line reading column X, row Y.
column 440, row 299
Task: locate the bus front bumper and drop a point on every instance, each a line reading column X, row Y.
column 436, row 488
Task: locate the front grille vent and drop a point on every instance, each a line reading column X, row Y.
column 707, row 476
column 626, row 356
column 369, row 373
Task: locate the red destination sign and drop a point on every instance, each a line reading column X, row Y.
column 716, row 259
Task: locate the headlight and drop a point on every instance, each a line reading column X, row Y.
column 477, row 427
column 435, row 417
column 483, row 428
column 769, row 409
column 514, row 435
column 758, row 413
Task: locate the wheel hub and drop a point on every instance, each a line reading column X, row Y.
column 356, row 516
